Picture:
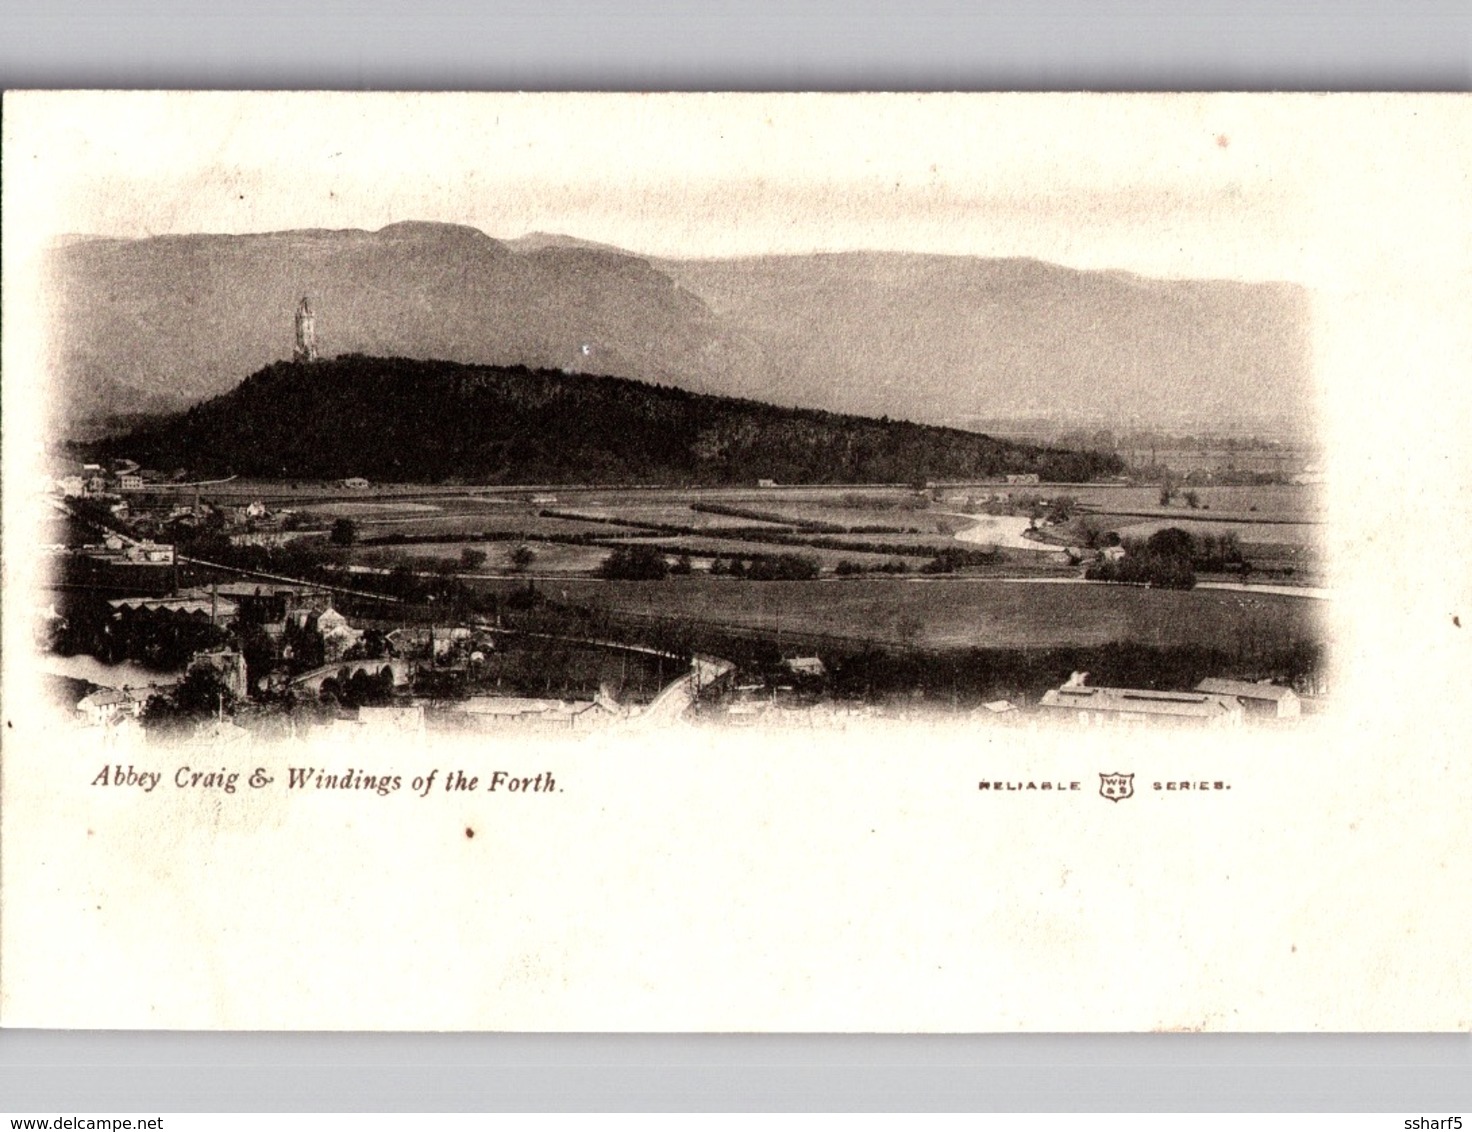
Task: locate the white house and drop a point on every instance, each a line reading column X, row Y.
column 108, row 705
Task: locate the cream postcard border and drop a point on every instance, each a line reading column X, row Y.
column 684, row 880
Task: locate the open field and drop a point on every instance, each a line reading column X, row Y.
column 663, row 514
column 726, row 548
column 848, row 507
column 368, row 510
column 1283, row 530
column 1302, row 503
column 1280, row 526
column 966, row 612
column 455, row 526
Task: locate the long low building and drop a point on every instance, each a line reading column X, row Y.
column 1111, row 706
column 1270, row 700
column 190, row 606
column 494, row 712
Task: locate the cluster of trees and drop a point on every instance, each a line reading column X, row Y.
column 358, row 690
column 950, row 560
column 395, row 419
column 1052, row 509
column 1145, row 569
column 1219, row 552
column 635, row 564
column 1163, row 560
column 1094, row 534
column 847, row 567
column 1059, row 509
column 200, row 695
column 769, row 567
column 944, row 561
column 1190, row 496
column 473, row 558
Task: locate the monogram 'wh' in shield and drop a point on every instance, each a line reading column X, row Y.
column 1117, row 787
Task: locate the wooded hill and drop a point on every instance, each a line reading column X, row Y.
column 394, row 419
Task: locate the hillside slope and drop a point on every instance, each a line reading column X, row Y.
column 396, row 419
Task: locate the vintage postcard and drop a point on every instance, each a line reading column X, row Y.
column 919, row 563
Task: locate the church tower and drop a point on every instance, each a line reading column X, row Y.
column 306, row 333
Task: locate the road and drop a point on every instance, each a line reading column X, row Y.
column 676, row 698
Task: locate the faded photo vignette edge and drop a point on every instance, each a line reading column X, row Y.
column 748, row 852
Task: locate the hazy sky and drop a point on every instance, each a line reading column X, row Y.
column 1223, row 186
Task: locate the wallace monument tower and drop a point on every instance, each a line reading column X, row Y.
column 306, row 333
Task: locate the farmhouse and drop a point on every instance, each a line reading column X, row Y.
column 1261, row 700
column 356, row 483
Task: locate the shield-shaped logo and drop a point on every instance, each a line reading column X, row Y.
column 1116, row 787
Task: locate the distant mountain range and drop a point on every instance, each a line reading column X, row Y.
column 168, row 320
column 425, row 421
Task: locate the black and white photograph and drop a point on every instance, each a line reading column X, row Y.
column 487, row 478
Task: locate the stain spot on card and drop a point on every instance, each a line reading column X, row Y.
column 469, row 832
